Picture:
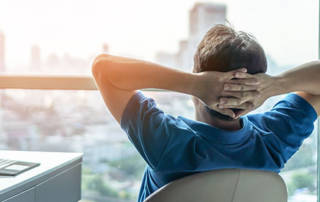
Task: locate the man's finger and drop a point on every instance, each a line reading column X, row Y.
column 246, row 106
column 232, row 74
column 243, row 70
column 247, row 81
column 230, row 101
column 241, row 113
column 239, row 87
column 228, row 94
column 244, row 96
column 242, row 75
column 227, row 112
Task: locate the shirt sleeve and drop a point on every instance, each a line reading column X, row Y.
column 147, row 127
column 289, row 122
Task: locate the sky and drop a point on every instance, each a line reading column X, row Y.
column 287, row 29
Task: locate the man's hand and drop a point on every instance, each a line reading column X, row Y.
column 210, row 88
column 248, row 101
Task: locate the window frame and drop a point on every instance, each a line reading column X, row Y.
column 86, row 82
column 318, row 125
column 47, row 82
column 51, row 82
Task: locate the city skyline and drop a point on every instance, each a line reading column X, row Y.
column 2, row 51
column 202, row 17
column 60, row 37
column 60, row 27
column 38, row 63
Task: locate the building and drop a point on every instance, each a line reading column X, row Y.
column 2, row 52
column 166, row 59
column 202, row 17
column 105, row 48
column 35, row 62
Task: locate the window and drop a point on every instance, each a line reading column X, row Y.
column 56, row 40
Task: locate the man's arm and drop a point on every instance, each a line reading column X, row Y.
column 304, row 80
column 314, row 100
column 118, row 78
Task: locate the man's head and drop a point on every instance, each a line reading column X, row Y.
column 224, row 49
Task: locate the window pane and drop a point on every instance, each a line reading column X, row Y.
column 64, row 36
column 74, row 121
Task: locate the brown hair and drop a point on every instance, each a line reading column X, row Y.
column 224, row 49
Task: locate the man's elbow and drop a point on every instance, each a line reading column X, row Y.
column 99, row 64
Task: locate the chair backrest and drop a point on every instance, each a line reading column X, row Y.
column 229, row 185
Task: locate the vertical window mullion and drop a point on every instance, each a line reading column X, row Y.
column 318, row 132
column 318, row 158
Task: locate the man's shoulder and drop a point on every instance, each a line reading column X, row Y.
column 312, row 100
column 291, row 103
column 291, row 114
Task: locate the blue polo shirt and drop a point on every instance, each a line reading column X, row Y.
column 177, row 147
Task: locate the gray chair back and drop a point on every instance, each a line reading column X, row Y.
column 229, row 185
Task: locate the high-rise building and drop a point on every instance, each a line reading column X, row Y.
column 2, row 52
column 166, row 59
column 35, row 62
column 105, row 48
column 2, row 69
column 203, row 16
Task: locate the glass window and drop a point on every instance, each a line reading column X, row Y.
column 62, row 37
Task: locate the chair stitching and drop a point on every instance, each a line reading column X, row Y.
column 236, row 187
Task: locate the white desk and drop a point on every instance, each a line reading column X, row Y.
column 57, row 179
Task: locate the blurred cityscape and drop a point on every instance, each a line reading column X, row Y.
column 78, row 121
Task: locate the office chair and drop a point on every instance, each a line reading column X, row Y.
column 229, row 185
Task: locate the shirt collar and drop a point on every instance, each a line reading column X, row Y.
column 219, row 135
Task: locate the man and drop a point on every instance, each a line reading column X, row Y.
column 221, row 136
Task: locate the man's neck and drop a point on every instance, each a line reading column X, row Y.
column 219, row 123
